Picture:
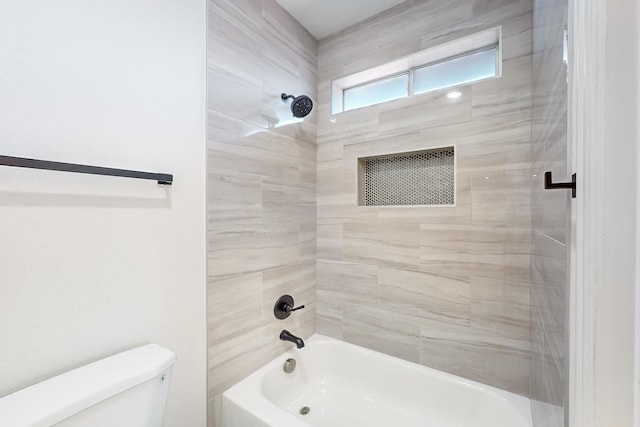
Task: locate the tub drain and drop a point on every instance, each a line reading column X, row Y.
column 305, row 410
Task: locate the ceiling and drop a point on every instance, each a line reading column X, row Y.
column 324, row 17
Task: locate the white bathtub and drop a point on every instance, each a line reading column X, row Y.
column 344, row 385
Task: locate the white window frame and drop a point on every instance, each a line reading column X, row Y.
column 475, row 43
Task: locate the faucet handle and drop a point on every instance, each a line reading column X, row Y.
column 289, row 309
column 284, row 307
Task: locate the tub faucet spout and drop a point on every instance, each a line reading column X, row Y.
column 288, row 336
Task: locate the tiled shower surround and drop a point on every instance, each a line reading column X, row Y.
column 450, row 286
column 261, row 183
column 447, row 287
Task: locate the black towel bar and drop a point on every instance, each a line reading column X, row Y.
column 162, row 178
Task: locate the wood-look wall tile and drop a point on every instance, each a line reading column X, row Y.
column 447, row 20
column 263, row 153
column 345, row 212
column 502, row 198
column 277, row 200
column 336, row 192
column 236, row 248
column 242, row 357
column 481, row 18
column 424, row 111
column 328, row 151
column 382, row 243
column 501, row 7
column 306, row 209
column 445, row 250
column 348, row 282
column 549, row 291
column 547, row 386
column 482, row 357
column 457, row 215
column 549, row 94
column 329, row 327
column 290, row 32
column 236, row 54
column 510, row 14
column 283, row 123
column 329, row 174
column 378, row 329
column 308, row 161
column 307, row 232
column 233, row 197
column 555, row 205
column 509, row 93
column 496, row 145
column 245, row 315
column 380, row 145
column 328, row 306
column 235, row 94
column 359, row 124
column 517, row 36
column 223, row 128
column 438, row 296
column 329, row 241
column 536, row 340
column 414, row 17
column 306, row 251
column 501, row 253
column 538, row 193
column 546, row 382
column 288, row 53
column 550, row 79
column 501, row 307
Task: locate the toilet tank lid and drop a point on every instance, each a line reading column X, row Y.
column 55, row 399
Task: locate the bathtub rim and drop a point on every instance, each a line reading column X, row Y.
column 267, row 411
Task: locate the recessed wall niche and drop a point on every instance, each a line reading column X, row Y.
column 415, row 178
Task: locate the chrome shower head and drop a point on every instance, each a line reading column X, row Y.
column 301, row 105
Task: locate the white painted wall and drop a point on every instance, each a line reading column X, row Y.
column 604, row 289
column 94, row 265
column 615, row 295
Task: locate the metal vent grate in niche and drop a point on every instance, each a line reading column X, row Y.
column 408, row 179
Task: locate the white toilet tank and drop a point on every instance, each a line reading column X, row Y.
column 126, row 390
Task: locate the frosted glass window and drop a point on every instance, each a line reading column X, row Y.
column 454, row 72
column 376, row 92
column 469, row 59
